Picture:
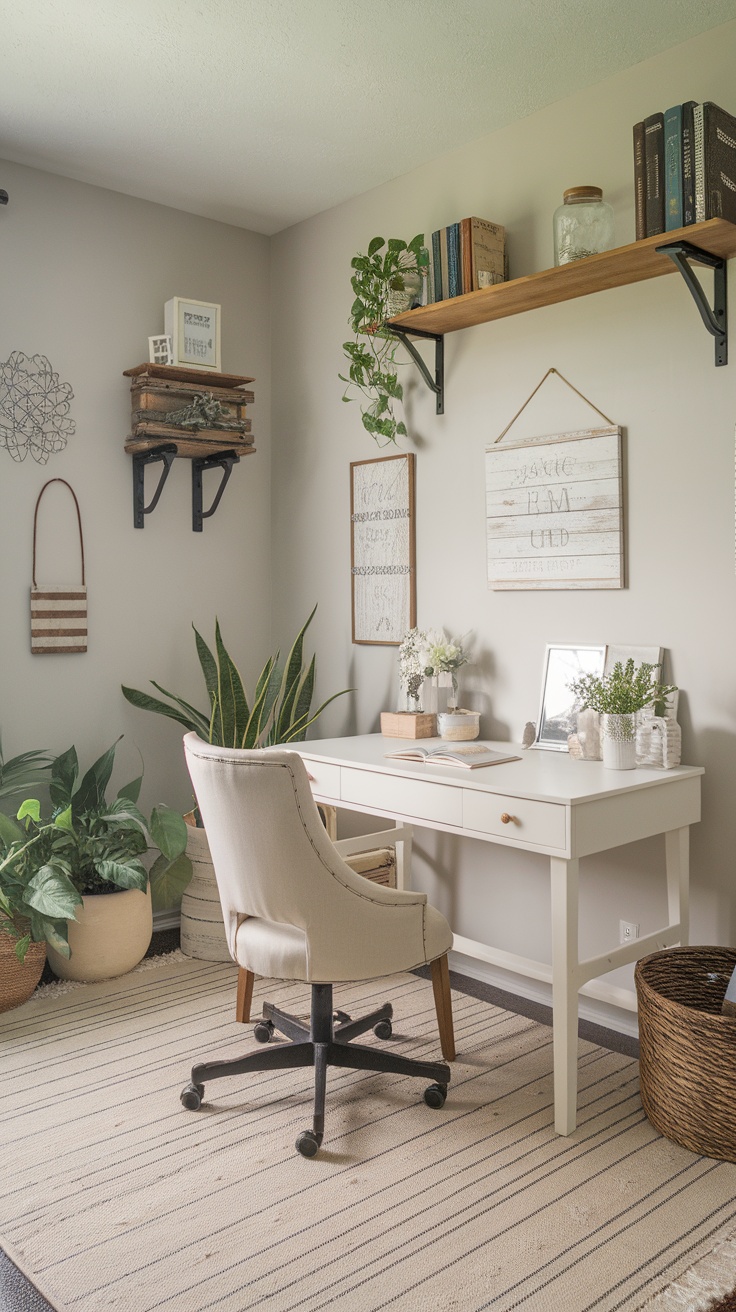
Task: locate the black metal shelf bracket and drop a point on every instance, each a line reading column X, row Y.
column 166, row 453
column 715, row 319
column 225, row 460
column 436, row 384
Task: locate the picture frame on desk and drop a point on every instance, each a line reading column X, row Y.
column 558, row 707
column 194, row 329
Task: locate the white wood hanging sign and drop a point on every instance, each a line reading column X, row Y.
column 554, row 511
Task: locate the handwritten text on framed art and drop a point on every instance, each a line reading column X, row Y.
column 382, row 548
column 554, row 511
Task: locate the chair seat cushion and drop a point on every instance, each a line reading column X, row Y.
column 280, row 951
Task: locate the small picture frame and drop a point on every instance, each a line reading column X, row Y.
column 194, row 329
column 159, row 350
column 558, row 708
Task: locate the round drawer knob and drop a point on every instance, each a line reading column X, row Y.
column 506, row 818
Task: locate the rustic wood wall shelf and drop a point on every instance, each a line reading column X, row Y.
column 710, row 243
column 189, row 414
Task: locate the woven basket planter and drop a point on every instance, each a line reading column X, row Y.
column 18, row 980
column 688, row 1049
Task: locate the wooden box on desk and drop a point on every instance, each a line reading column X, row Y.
column 408, row 724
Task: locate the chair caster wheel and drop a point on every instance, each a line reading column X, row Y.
column 263, row 1030
column 435, row 1095
column 191, row 1097
column 341, row 1017
column 383, row 1030
column 307, row 1143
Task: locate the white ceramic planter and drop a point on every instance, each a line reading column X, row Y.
column 618, row 741
column 109, row 937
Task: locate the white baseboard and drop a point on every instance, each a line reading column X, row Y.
column 166, row 919
column 598, row 1012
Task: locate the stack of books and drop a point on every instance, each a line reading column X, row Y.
column 684, row 168
column 465, row 256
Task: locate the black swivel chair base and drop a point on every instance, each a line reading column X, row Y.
column 321, row 1044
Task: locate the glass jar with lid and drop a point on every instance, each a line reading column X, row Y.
column 583, row 224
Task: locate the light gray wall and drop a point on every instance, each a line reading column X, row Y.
column 641, row 354
column 84, row 274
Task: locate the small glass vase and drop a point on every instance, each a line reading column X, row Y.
column 414, row 705
column 618, row 741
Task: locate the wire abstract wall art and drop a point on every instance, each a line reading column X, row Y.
column 34, row 408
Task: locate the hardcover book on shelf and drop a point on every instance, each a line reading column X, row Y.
column 469, row 756
column 640, row 193
column 437, row 265
column 482, row 253
column 654, row 172
column 673, row 168
column 688, row 164
column 714, row 137
column 454, row 287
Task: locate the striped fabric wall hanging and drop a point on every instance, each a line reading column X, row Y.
column 58, row 611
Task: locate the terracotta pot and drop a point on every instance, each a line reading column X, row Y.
column 109, row 937
column 19, row 979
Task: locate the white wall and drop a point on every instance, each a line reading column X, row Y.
column 641, row 354
column 84, row 274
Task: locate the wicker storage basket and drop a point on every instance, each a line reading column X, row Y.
column 17, row 981
column 688, row 1049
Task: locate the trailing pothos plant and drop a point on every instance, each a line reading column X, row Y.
column 279, row 713
column 87, row 845
column 377, row 277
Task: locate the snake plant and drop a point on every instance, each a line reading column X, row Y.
column 280, row 711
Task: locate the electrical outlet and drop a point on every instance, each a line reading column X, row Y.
column 627, row 931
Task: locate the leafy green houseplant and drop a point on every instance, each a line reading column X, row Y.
column 617, row 697
column 23, row 772
column 279, row 713
column 623, row 691
column 88, row 846
column 378, row 278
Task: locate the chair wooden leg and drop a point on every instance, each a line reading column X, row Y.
column 245, row 994
column 443, row 1005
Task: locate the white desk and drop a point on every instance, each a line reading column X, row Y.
column 546, row 803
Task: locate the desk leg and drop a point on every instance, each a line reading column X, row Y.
column 677, row 854
column 403, row 858
column 565, row 991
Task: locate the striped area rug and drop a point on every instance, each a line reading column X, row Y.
column 117, row 1198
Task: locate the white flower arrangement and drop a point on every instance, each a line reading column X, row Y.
column 426, row 655
column 443, row 656
column 412, row 663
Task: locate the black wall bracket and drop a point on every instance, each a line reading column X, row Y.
column 436, row 384
column 715, row 319
column 166, row 453
column 225, row 460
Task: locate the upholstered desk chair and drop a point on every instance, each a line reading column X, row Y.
column 294, row 910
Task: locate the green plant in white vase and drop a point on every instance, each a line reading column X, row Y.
column 386, row 282
column 617, row 697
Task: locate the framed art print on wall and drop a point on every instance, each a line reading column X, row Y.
column 382, row 549
column 194, row 329
column 554, row 511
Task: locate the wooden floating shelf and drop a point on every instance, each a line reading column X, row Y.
column 565, row 282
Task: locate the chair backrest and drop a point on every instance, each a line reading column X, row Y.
column 271, row 854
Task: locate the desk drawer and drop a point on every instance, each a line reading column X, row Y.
column 542, row 823
column 406, row 797
column 324, row 778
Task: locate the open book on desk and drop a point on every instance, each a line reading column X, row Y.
column 468, row 755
